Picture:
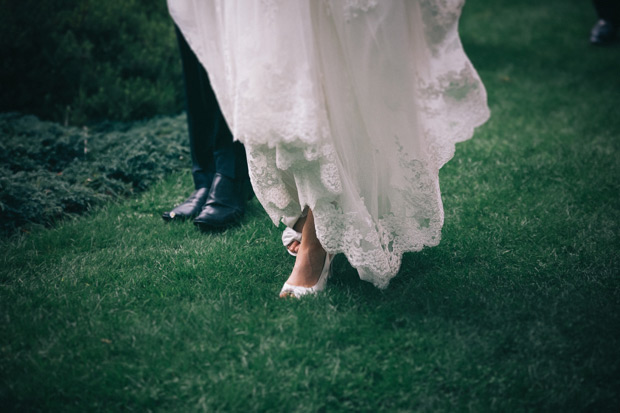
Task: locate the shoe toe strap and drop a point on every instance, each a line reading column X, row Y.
column 296, row 290
column 289, row 235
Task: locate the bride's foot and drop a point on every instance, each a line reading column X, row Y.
column 309, row 276
column 311, row 266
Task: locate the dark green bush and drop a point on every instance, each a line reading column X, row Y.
column 48, row 171
column 82, row 61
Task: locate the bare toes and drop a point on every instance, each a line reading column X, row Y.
column 294, row 246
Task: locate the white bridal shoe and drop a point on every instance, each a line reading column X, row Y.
column 299, row 291
column 288, row 236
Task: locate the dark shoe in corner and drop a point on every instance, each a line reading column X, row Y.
column 226, row 203
column 603, row 32
column 190, row 208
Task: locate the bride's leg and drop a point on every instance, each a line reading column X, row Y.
column 310, row 257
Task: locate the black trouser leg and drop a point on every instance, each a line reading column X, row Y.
column 230, row 160
column 211, row 142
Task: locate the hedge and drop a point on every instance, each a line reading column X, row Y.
column 48, row 171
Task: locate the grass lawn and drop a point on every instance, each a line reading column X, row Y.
column 517, row 309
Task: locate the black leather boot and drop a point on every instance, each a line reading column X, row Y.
column 226, row 203
column 190, row 208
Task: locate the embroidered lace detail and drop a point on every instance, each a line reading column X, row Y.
column 453, row 104
column 440, row 18
column 353, row 8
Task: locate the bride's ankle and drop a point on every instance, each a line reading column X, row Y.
column 311, row 247
column 299, row 225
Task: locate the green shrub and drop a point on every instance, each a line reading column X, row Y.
column 49, row 171
column 83, row 61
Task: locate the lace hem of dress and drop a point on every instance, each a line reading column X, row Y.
column 287, row 179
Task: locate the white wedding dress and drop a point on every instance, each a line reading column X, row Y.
column 348, row 107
